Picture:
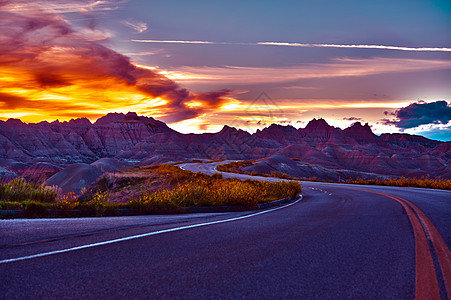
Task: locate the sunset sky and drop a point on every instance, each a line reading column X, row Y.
column 199, row 65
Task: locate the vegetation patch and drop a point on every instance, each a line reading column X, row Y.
column 198, row 189
column 20, row 190
column 157, row 189
column 237, row 167
column 407, row 182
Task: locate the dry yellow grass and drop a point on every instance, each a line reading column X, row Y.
column 176, row 189
column 408, row 182
column 197, row 189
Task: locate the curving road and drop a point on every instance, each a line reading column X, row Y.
column 338, row 242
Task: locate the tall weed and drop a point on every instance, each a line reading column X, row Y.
column 20, row 190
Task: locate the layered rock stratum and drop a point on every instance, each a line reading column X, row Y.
column 38, row 151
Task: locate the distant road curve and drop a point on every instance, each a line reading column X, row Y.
column 210, row 169
column 339, row 242
column 427, row 277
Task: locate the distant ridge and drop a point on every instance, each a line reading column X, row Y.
column 144, row 140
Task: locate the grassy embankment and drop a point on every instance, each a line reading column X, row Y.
column 236, row 167
column 176, row 190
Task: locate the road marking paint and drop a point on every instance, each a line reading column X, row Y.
column 142, row 235
column 426, row 284
column 443, row 253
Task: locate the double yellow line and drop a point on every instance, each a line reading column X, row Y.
column 426, row 283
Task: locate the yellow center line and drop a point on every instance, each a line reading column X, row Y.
column 426, row 283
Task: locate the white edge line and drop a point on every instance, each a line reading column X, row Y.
column 5, row 261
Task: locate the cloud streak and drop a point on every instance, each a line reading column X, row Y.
column 178, row 42
column 379, row 47
column 305, row 45
column 62, row 6
column 139, row 27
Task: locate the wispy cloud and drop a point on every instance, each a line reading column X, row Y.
column 143, row 53
column 339, row 67
column 304, row 45
column 136, row 26
column 63, row 6
column 175, row 42
column 381, row 47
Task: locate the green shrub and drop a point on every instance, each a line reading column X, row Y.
column 10, row 205
column 34, row 209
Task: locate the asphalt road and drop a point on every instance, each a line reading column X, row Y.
column 338, row 242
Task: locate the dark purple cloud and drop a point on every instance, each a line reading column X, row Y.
column 352, row 119
column 421, row 113
column 214, row 99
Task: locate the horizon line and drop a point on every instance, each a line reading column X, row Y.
column 362, row 123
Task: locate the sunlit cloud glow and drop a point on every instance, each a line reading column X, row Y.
column 49, row 70
column 258, row 116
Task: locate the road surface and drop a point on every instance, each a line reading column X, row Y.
column 338, row 242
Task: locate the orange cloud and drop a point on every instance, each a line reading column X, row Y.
column 49, row 70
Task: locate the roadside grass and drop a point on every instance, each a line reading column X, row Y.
column 443, row 184
column 179, row 190
column 20, row 190
column 198, row 189
column 219, row 192
column 407, row 182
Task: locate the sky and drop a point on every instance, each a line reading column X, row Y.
column 198, row 65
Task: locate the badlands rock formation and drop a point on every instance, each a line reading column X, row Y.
column 38, row 151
